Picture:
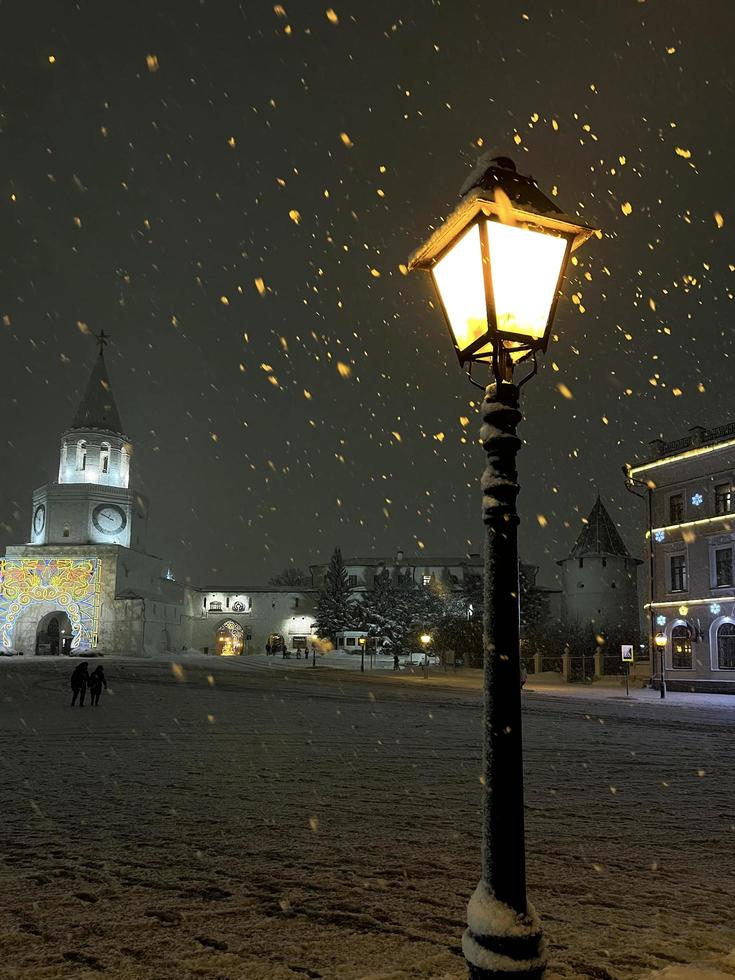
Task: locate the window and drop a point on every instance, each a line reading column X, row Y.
column 81, row 455
column 227, row 602
column 295, row 602
column 604, row 562
column 726, row 646
column 299, row 643
column 681, row 648
column 678, row 573
column 350, row 641
column 104, row 457
column 352, row 581
column 676, row 508
column 723, row 566
column 581, row 562
column 426, row 580
column 340, row 641
column 66, row 530
column 723, row 498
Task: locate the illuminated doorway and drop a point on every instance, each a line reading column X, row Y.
column 230, row 639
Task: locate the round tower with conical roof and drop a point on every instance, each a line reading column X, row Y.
column 600, row 577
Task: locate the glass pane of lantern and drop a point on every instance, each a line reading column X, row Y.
column 525, row 268
column 459, row 278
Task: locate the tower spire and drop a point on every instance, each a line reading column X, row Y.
column 97, row 409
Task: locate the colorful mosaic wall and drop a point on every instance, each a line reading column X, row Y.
column 73, row 584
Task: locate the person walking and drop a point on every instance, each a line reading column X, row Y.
column 79, row 681
column 395, row 662
column 96, row 680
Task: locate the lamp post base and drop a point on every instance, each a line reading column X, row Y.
column 500, row 944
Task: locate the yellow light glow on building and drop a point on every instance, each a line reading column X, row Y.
column 690, row 602
column 701, row 522
column 689, row 454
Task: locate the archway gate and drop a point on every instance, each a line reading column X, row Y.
column 230, row 639
column 72, row 585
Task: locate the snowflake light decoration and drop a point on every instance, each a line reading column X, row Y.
column 697, row 499
column 714, row 608
column 660, row 620
column 659, row 536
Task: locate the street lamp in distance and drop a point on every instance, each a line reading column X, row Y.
column 497, row 264
column 362, row 640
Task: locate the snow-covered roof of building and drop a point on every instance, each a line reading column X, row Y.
column 247, row 589
column 97, row 409
column 599, row 536
column 419, row 561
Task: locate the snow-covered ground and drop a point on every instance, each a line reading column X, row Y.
column 234, row 820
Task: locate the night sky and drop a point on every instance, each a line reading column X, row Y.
column 165, row 163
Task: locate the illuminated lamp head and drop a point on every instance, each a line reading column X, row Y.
column 498, row 263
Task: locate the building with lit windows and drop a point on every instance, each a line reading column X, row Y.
column 84, row 581
column 404, row 570
column 691, row 480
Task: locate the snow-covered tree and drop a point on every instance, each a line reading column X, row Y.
column 380, row 612
column 534, row 604
column 334, row 611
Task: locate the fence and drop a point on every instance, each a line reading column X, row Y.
column 581, row 668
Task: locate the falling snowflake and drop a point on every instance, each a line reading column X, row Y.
column 660, row 620
column 659, row 536
column 714, row 608
column 697, row 499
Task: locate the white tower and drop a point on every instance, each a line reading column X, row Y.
column 600, row 578
column 92, row 502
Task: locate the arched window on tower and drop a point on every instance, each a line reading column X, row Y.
column 82, row 455
column 105, row 457
column 726, row 646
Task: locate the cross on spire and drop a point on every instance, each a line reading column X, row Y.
column 102, row 341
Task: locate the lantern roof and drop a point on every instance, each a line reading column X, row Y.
column 495, row 188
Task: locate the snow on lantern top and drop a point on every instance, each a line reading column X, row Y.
column 498, row 262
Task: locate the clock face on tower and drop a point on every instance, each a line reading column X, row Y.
column 109, row 518
column 39, row 519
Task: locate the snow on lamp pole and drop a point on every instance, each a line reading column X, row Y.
column 497, row 264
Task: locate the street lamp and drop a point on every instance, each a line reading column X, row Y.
column 361, row 641
column 661, row 641
column 425, row 640
column 630, row 484
column 497, row 265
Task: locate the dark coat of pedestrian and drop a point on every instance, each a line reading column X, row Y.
column 79, row 681
column 96, row 680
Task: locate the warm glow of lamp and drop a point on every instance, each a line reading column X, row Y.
column 498, row 263
column 660, row 639
column 425, row 639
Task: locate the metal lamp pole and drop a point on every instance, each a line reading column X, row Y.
column 515, row 946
